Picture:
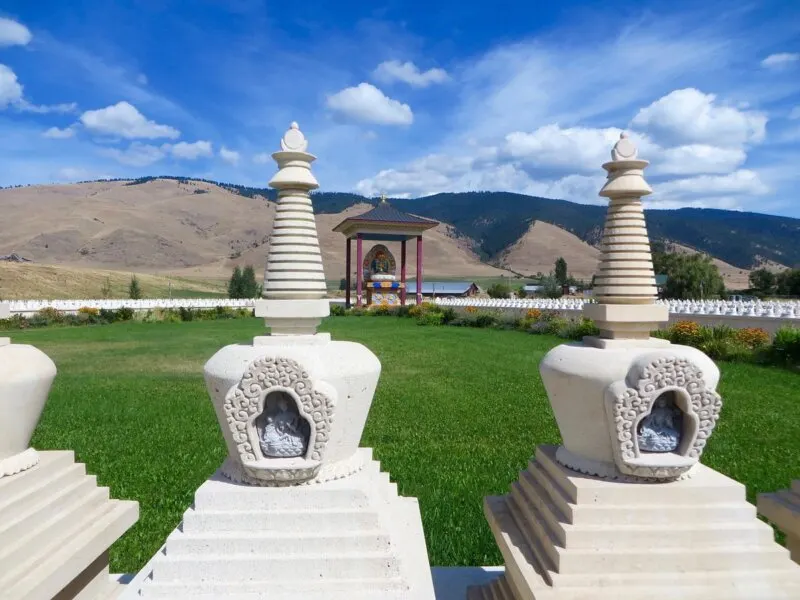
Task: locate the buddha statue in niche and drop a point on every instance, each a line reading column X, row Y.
column 660, row 431
column 284, row 433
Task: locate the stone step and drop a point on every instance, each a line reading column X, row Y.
column 270, row 568
column 258, row 542
column 653, row 513
column 58, row 518
column 68, row 552
column 708, row 487
column 327, row 589
column 221, row 498
column 300, row 521
column 686, row 531
column 14, row 487
column 71, row 484
column 17, row 507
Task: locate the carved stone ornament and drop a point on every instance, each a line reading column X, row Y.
column 245, row 402
column 629, row 402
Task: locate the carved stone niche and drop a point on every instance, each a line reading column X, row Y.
column 279, row 422
column 661, row 416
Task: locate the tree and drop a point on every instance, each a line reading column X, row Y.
column 105, row 291
column 561, row 270
column 343, row 283
column 691, row 276
column 499, row 290
column 134, row 291
column 788, row 282
column 521, row 293
column 235, row 284
column 551, row 288
column 249, row 283
column 763, row 280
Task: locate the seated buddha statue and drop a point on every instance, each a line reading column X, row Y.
column 283, row 435
column 660, row 431
column 379, row 267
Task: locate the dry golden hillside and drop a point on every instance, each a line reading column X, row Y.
column 539, row 248
column 191, row 228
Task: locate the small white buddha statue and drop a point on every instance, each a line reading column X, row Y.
column 283, row 435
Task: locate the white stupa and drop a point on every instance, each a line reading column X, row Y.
column 297, row 510
column 623, row 508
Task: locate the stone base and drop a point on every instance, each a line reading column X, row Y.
column 56, row 526
column 783, row 509
column 567, row 536
column 348, row 538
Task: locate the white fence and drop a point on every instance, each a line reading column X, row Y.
column 769, row 316
column 29, row 307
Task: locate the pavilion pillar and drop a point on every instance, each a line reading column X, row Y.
column 419, row 269
column 403, row 273
column 348, row 272
column 359, row 270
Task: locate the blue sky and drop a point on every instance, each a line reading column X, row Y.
column 409, row 98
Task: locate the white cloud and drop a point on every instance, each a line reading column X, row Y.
column 262, row 158
column 13, row 33
column 737, row 183
column 10, row 88
column 68, row 174
column 229, row 156
column 408, row 72
column 124, row 120
column 191, row 151
column 690, row 116
column 141, row 79
column 780, row 60
column 43, row 109
column 138, row 154
column 367, row 103
column 795, row 114
column 59, row 134
column 575, row 148
column 696, row 158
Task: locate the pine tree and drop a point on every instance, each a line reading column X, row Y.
column 134, row 291
column 235, row 284
column 249, row 283
column 561, row 270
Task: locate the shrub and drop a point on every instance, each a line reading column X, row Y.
column 107, row 316
column 785, row 349
column 403, row 311
column 577, row 330
column 430, row 318
column 485, row 320
column 684, row 332
column 357, row 311
column 337, row 310
column 472, row 309
column 186, row 314
column 381, row 310
column 534, row 314
column 88, row 310
column 752, row 337
column 125, row 314
column 499, row 290
column 449, row 315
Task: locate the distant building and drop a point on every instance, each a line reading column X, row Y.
column 661, row 282
column 462, row 289
column 532, row 289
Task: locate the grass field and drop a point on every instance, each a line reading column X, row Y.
column 457, row 414
column 23, row 281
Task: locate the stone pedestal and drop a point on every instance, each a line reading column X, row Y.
column 783, row 509
column 56, row 526
column 347, row 538
column 568, row 536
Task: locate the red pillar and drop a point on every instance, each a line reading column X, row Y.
column 403, row 273
column 419, row 269
column 348, row 271
column 359, row 270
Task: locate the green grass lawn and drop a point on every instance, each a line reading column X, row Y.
column 457, row 414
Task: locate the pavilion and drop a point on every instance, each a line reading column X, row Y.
column 383, row 223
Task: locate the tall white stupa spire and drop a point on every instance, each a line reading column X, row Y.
column 294, row 279
column 625, row 285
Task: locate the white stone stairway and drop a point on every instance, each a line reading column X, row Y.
column 348, row 538
column 567, row 536
column 56, row 526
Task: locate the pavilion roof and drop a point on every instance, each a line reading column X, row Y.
column 384, row 215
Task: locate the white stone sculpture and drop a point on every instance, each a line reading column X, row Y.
column 56, row 524
column 624, row 508
column 297, row 510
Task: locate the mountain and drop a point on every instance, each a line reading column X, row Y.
column 186, row 228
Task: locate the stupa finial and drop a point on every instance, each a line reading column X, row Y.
column 624, row 149
column 294, row 140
